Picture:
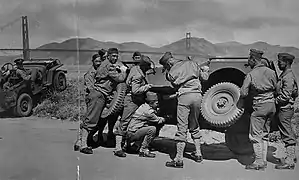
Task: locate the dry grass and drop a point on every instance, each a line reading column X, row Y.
column 66, row 105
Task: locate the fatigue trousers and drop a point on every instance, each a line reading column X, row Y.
column 259, row 123
column 95, row 102
column 144, row 134
column 285, row 126
column 130, row 106
column 188, row 112
column 259, row 120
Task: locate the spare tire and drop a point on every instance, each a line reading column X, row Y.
column 117, row 102
column 219, row 105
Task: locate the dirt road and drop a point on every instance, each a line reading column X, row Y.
column 41, row 149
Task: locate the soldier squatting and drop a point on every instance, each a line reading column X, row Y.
column 139, row 118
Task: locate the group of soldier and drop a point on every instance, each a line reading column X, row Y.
column 270, row 95
column 139, row 116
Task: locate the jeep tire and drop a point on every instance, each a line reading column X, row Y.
column 24, row 105
column 117, row 102
column 219, row 105
column 59, row 81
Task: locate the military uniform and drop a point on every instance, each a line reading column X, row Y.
column 106, row 80
column 21, row 74
column 140, row 128
column 137, row 87
column 287, row 92
column 260, row 83
column 186, row 77
column 99, row 84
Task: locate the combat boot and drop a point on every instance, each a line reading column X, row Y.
column 147, row 153
column 258, row 163
column 289, row 161
column 197, row 155
column 85, row 149
column 196, row 158
column 175, row 164
column 78, row 142
column 120, row 153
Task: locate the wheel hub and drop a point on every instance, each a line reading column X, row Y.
column 222, row 103
column 24, row 105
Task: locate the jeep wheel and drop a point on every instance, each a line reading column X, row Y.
column 117, row 102
column 24, row 105
column 59, row 81
column 219, row 104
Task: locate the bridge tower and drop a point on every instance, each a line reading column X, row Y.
column 188, row 41
column 26, row 51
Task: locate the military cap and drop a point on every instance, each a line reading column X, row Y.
column 256, row 53
column 165, row 58
column 102, row 52
column 112, row 50
column 19, row 60
column 286, row 57
column 95, row 56
column 145, row 60
column 151, row 96
column 136, row 53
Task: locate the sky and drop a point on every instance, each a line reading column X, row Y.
column 153, row 22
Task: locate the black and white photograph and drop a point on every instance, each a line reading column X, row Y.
column 149, row 89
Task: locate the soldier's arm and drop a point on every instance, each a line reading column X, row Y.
column 89, row 80
column 152, row 117
column 245, row 87
column 23, row 75
column 137, row 88
column 286, row 90
column 204, row 76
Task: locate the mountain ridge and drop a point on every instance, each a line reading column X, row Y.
column 200, row 46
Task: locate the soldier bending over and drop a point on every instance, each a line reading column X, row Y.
column 186, row 76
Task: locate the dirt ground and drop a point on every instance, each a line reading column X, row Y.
column 41, row 149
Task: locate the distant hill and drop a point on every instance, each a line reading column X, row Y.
column 199, row 46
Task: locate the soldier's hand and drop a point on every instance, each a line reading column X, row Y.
column 161, row 121
column 205, row 68
column 149, row 86
column 123, row 68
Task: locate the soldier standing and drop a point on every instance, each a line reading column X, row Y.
column 90, row 91
column 260, row 83
column 186, row 77
column 107, row 77
column 137, row 87
column 286, row 95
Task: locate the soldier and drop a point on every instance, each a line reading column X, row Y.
column 103, row 54
column 260, row 83
column 90, row 91
column 186, row 77
column 20, row 70
column 136, row 56
column 286, row 95
column 140, row 128
column 137, row 87
column 21, row 73
column 107, row 76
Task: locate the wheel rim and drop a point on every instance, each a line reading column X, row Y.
column 221, row 103
column 61, row 81
column 24, row 105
